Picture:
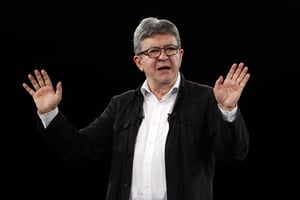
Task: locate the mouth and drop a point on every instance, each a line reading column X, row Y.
column 163, row 68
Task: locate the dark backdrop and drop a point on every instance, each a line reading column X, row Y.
column 88, row 46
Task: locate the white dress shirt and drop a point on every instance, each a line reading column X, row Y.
column 149, row 177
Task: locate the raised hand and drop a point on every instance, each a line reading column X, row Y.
column 42, row 91
column 228, row 91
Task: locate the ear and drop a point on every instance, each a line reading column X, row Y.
column 138, row 61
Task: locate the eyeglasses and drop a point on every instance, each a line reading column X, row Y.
column 155, row 52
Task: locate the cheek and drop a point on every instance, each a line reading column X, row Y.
column 177, row 61
column 148, row 64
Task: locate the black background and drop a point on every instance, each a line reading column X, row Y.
column 88, row 46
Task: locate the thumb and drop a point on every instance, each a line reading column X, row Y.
column 219, row 81
column 59, row 88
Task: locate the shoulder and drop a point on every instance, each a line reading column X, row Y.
column 195, row 88
column 195, row 91
column 195, row 85
column 126, row 97
column 192, row 85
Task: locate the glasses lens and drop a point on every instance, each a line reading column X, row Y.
column 156, row 51
column 171, row 51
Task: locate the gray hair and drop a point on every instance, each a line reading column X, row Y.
column 151, row 26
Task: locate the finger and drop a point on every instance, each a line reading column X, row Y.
column 237, row 72
column 231, row 71
column 242, row 75
column 39, row 78
column 33, row 82
column 245, row 80
column 28, row 89
column 46, row 77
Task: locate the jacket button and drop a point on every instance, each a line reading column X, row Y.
column 125, row 184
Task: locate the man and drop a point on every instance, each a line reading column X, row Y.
column 165, row 136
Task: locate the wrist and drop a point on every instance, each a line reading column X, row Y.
column 227, row 108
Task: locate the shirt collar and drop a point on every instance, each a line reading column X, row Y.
column 174, row 89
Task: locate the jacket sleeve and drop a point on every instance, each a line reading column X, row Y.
column 230, row 141
column 92, row 142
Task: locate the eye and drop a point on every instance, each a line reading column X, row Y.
column 153, row 51
column 171, row 48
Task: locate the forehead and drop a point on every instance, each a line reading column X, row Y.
column 159, row 40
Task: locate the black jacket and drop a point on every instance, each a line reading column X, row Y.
column 197, row 136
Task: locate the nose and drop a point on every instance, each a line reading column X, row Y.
column 163, row 54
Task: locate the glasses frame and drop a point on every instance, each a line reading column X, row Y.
column 148, row 51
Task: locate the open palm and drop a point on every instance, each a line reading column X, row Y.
column 228, row 91
column 42, row 91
